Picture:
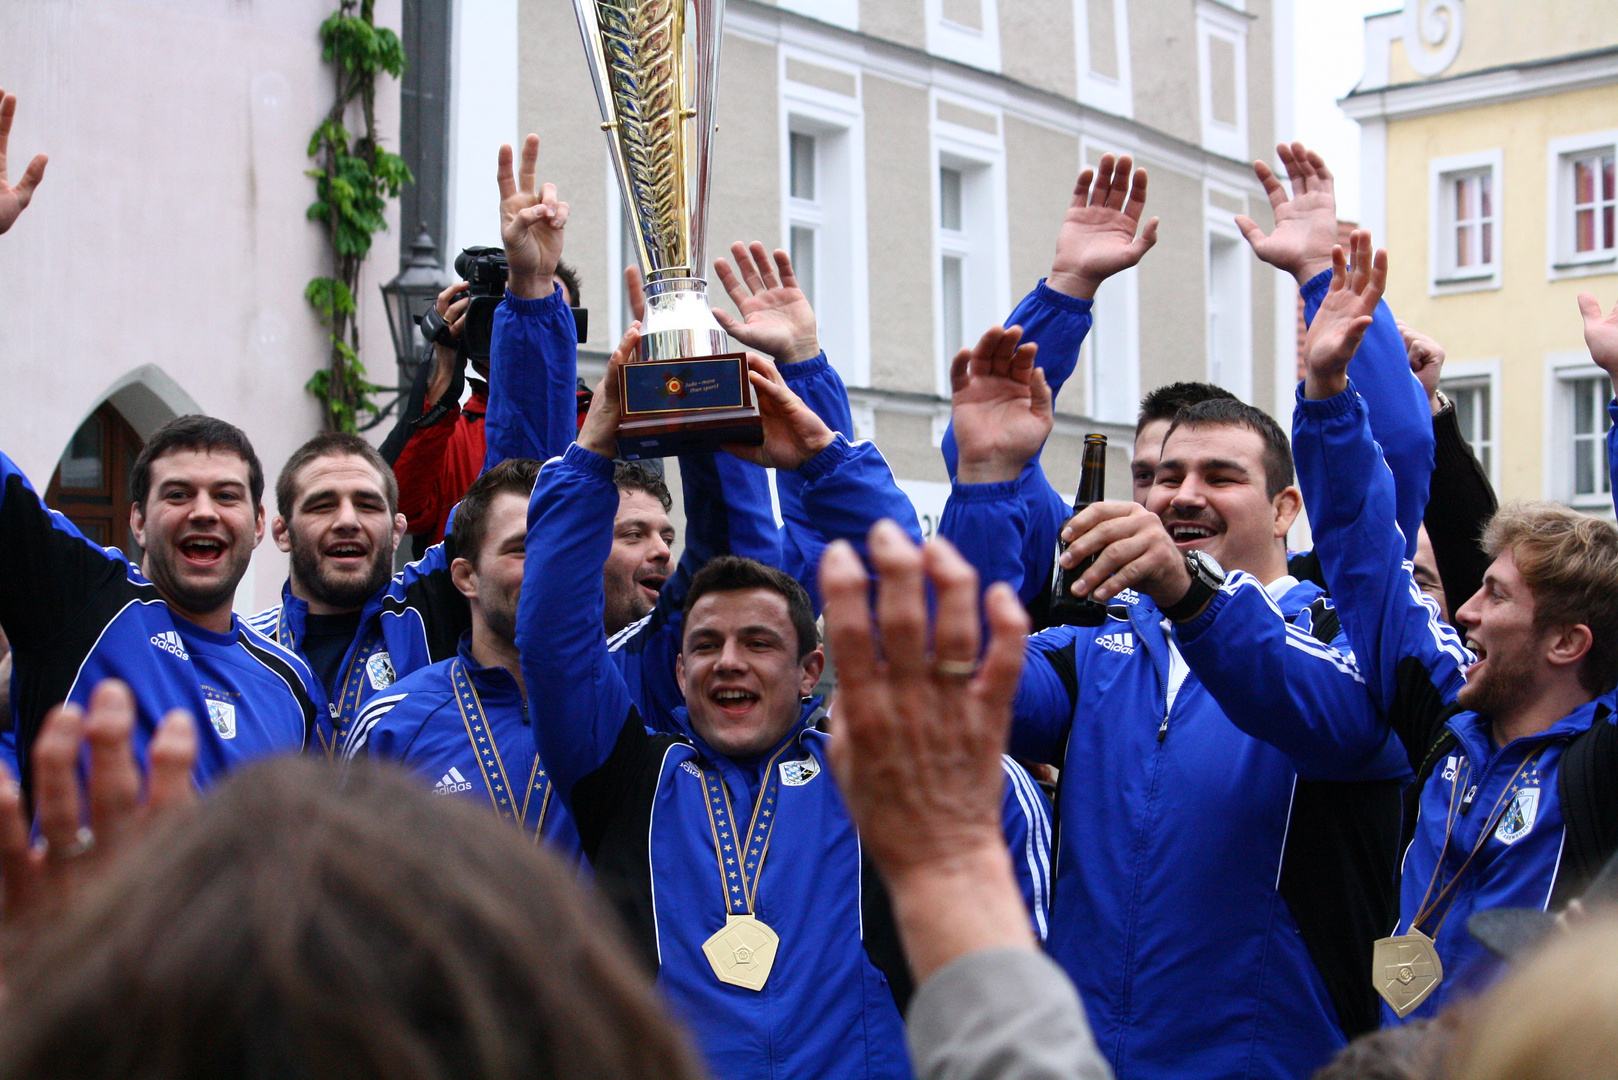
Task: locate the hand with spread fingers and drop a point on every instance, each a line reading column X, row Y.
column 1000, row 406
column 38, row 877
column 1101, row 233
column 14, row 200
column 776, row 316
column 532, row 221
column 1344, row 316
column 1305, row 224
column 793, row 433
column 917, row 733
column 1601, row 335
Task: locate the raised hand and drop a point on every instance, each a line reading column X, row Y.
column 1426, row 360
column 13, row 200
column 1306, row 224
column 1601, row 335
column 916, row 738
column 1098, row 235
column 776, row 316
column 1000, row 406
column 44, row 875
column 1344, row 316
column 792, row 432
column 599, row 432
column 531, row 224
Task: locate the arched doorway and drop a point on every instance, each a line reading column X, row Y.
column 91, row 484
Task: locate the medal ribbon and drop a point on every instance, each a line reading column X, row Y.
column 740, row 870
column 1489, row 825
column 490, row 761
column 343, row 710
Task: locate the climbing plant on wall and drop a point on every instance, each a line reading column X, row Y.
column 353, row 181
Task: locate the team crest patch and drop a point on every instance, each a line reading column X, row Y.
column 379, row 669
column 1519, row 817
column 222, row 714
column 799, row 773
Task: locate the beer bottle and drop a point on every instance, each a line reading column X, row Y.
column 1065, row 608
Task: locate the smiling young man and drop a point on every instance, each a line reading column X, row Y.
column 77, row 613
column 1513, row 743
column 723, row 839
column 358, row 625
column 1218, row 902
column 463, row 724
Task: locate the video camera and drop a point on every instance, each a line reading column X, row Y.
column 485, row 271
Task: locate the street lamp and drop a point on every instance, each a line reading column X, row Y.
column 408, row 296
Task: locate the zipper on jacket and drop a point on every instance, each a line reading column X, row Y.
column 1163, row 728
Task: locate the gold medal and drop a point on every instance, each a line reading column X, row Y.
column 743, row 952
column 1406, row 970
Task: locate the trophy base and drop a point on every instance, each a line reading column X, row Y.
column 686, row 406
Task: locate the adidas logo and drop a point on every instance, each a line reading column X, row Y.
column 169, row 641
column 452, row 783
column 1122, row 642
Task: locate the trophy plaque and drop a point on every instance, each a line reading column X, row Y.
column 655, row 65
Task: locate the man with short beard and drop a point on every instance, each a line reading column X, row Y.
column 1513, row 739
column 357, row 625
column 463, row 724
column 77, row 613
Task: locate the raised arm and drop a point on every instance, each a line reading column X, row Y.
column 587, row 712
column 533, row 354
column 1413, row 663
column 1301, row 244
column 1601, row 336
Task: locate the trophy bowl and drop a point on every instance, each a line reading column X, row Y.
column 655, row 66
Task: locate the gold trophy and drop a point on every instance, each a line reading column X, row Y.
column 655, row 74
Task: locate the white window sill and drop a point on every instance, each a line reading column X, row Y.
column 1604, row 264
column 1471, row 282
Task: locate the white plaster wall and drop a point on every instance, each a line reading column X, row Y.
column 170, row 228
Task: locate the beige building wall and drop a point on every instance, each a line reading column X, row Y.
column 1513, row 92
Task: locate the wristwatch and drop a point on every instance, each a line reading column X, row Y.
column 1206, row 577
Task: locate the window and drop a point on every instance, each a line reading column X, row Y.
column 969, row 215
column 1230, row 315
column 823, row 224
column 91, row 485
column 804, row 208
column 1584, row 204
column 1470, row 243
column 1592, row 483
column 1474, row 412
column 1222, row 63
column 844, row 13
column 1465, row 237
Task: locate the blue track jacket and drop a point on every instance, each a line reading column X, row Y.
column 77, row 613
column 639, row 800
column 1415, row 665
column 1058, row 324
column 1192, row 798
column 423, row 724
column 419, row 616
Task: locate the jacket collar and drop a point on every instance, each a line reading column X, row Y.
column 295, row 612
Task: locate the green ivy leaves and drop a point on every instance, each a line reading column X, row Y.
column 355, row 180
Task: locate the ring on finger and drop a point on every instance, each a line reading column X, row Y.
column 955, row 669
column 84, row 842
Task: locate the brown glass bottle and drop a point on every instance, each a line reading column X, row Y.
column 1065, row 608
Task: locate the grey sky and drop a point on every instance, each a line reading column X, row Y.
column 1329, row 36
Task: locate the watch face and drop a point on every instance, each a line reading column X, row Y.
column 1207, row 566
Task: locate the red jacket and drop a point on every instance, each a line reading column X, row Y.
column 438, row 464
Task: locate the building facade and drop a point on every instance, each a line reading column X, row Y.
column 1488, row 139
column 916, row 157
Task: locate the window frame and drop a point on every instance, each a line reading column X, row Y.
column 984, row 236
column 1116, row 96
column 1217, row 224
column 1443, row 276
column 1468, row 373
column 1561, row 260
column 1563, row 372
column 842, row 272
column 1218, row 20
column 965, row 44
